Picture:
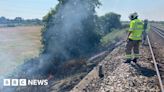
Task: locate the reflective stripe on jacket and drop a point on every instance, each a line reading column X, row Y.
column 136, row 29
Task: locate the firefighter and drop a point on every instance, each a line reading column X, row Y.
column 144, row 32
column 134, row 38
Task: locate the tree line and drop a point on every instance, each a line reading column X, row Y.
column 19, row 21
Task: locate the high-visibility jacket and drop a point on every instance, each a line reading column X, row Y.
column 136, row 29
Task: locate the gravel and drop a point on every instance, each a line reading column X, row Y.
column 121, row 77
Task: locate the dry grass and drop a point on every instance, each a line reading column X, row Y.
column 112, row 36
column 18, row 44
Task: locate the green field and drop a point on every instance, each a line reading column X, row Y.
column 18, row 44
column 113, row 36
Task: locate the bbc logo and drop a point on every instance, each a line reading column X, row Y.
column 24, row 82
column 15, row 82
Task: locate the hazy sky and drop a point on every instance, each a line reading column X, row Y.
column 149, row 9
column 26, row 8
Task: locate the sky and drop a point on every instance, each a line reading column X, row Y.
column 146, row 9
column 28, row 9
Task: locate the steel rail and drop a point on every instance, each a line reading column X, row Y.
column 158, row 28
column 161, row 32
column 155, row 65
column 158, row 32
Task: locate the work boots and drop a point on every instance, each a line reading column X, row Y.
column 135, row 60
column 129, row 60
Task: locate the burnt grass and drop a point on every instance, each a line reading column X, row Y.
column 60, row 71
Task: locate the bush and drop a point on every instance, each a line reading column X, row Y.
column 109, row 21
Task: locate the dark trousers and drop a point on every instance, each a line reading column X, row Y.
column 144, row 35
column 132, row 45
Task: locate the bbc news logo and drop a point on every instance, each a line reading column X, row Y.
column 24, row 82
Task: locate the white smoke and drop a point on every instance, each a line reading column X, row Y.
column 66, row 20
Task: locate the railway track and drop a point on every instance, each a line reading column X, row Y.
column 158, row 63
column 159, row 31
